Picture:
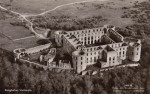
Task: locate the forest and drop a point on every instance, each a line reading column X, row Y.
column 21, row 76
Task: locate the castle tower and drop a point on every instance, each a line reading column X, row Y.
column 58, row 38
column 135, row 51
column 79, row 61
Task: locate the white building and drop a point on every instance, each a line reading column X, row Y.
column 101, row 45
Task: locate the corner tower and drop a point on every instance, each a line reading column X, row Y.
column 79, row 61
column 59, row 37
column 135, row 51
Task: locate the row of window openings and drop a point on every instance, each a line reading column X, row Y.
column 120, row 53
column 133, row 53
column 88, row 36
column 110, row 59
column 87, row 58
column 117, row 53
column 118, row 45
column 90, row 42
column 95, row 54
column 120, row 49
column 85, row 31
column 91, row 49
column 90, row 58
column 91, row 53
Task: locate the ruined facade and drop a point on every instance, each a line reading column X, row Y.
column 103, row 45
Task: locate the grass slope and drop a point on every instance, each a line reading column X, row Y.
column 35, row 6
column 87, row 15
column 9, row 32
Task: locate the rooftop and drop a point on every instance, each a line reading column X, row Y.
column 74, row 41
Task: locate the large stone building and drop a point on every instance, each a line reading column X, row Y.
column 103, row 45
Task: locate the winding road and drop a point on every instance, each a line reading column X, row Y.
column 62, row 6
column 24, row 17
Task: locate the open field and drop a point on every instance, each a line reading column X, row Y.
column 11, row 45
column 76, row 16
column 87, row 15
column 34, row 6
column 9, row 32
column 13, row 32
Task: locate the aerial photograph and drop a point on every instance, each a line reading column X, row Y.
column 74, row 46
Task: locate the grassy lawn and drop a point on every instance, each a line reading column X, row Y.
column 9, row 32
column 34, row 6
column 13, row 32
column 11, row 45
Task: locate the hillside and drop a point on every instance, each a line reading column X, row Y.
column 87, row 15
column 34, row 6
column 9, row 32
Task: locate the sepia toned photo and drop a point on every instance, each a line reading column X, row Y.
column 74, row 46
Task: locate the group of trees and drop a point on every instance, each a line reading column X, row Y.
column 20, row 76
column 63, row 22
column 140, row 14
column 4, row 15
column 66, row 22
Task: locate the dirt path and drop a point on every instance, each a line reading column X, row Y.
column 24, row 38
column 29, row 22
column 24, row 17
column 63, row 6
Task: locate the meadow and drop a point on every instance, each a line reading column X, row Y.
column 34, row 6
column 87, row 15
